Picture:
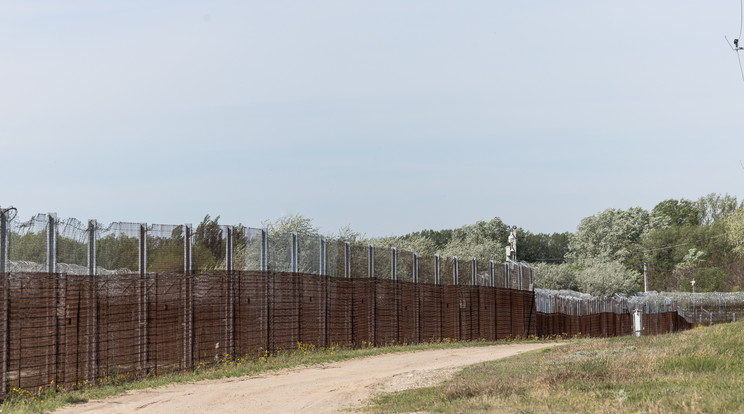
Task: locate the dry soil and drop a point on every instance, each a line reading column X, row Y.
column 329, row 388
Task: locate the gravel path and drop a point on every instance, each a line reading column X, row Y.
column 329, row 388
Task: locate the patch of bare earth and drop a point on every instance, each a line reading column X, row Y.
column 329, row 388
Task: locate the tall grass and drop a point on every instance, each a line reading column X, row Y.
column 701, row 370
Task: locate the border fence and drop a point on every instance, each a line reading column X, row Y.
column 571, row 313
column 81, row 302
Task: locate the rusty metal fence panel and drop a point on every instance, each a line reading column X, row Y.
column 487, row 313
column 165, row 318
column 503, row 314
column 211, row 320
column 284, row 311
column 468, row 305
column 251, row 314
column 363, row 308
column 75, row 328
column 408, row 313
column 450, row 313
column 339, row 325
column 119, row 325
column 313, row 309
column 386, row 312
column 430, row 312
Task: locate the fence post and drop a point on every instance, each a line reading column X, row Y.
column 264, row 250
column 521, row 276
column 455, row 271
column 415, row 270
column 142, row 249
column 347, row 260
column 437, row 268
column 3, row 253
column 418, row 295
column 506, row 275
column 394, row 263
column 474, row 269
column 187, row 231
column 371, row 275
column 323, row 256
column 142, row 283
column 6, row 307
column 52, row 243
column 6, row 331
column 295, row 253
column 492, row 272
column 92, row 247
column 229, row 249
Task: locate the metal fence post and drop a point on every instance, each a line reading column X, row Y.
column 347, row 260
column 92, row 247
column 3, row 246
column 437, row 268
column 295, row 253
column 492, row 272
column 521, row 276
column 394, row 263
column 229, row 249
column 323, row 256
column 474, row 269
column 506, row 275
column 371, row 261
column 264, row 250
column 143, row 249
column 52, row 243
column 415, row 267
column 455, row 271
column 187, row 230
column 6, row 334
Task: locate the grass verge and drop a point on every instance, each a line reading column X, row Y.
column 55, row 396
column 699, row 370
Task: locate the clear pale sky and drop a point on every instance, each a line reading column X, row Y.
column 389, row 116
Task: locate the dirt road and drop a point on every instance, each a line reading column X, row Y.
column 329, row 388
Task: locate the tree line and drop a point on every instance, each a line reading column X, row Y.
column 677, row 241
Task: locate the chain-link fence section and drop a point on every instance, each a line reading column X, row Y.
column 28, row 244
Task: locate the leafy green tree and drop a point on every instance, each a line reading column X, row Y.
column 612, row 235
column 296, row 223
column 347, row 235
column 418, row 244
column 679, row 212
column 667, row 251
column 28, row 247
column 542, row 247
column 714, row 207
column 208, row 249
column 440, row 238
column 118, row 253
column 165, row 254
column 710, row 279
column 606, row 278
column 555, row 276
column 484, row 240
column 734, row 227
